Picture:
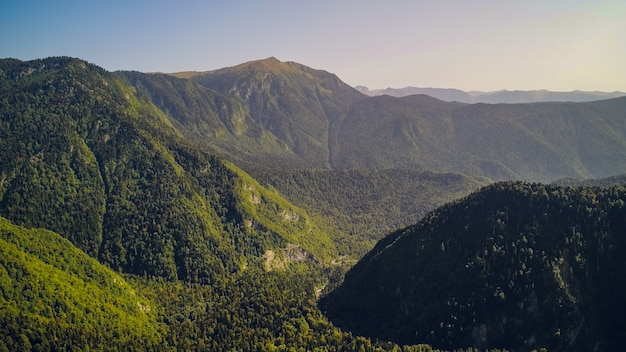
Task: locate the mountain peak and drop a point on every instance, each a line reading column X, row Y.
column 270, row 64
column 270, row 59
column 296, row 103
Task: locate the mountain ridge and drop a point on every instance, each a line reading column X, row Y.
column 514, row 265
column 298, row 104
column 310, row 119
column 499, row 141
column 129, row 189
column 495, row 97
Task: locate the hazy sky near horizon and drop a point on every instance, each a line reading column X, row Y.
column 471, row 45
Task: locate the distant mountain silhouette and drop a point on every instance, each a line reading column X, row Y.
column 495, row 97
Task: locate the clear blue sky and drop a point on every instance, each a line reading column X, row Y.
column 470, row 45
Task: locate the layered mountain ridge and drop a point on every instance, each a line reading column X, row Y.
column 87, row 158
column 495, row 97
column 324, row 123
column 302, row 107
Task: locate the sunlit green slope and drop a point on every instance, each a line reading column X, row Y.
column 52, row 295
column 87, row 157
column 302, row 107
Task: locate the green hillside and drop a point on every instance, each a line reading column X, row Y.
column 301, row 106
column 369, row 203
column 54, row 295
column 86, row 157
column 535, row 142
column 212, row 120
column 517, row 266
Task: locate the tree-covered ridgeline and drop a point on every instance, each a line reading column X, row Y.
column 368, row 203
column 87, row 157
column 515, row 265
column 54, row 297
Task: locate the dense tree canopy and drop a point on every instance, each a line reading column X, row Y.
column 512, row 266
column 84, row 156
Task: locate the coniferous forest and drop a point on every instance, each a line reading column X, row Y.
column 271, row 207
column 515, row 264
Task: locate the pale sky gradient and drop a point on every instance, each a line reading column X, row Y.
column 471, row 45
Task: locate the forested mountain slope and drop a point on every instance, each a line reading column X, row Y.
column 123, row 165
column 299, row 105
column 369, row 203
column 218, row 123
column 84, row 156
column 320, row 122
column 515, row 265
column 51, row 292
column 539, row 142
column 54, row 297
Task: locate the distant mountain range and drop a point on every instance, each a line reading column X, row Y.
column 495, row 97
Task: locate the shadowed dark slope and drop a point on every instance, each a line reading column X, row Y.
column 516, row 266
